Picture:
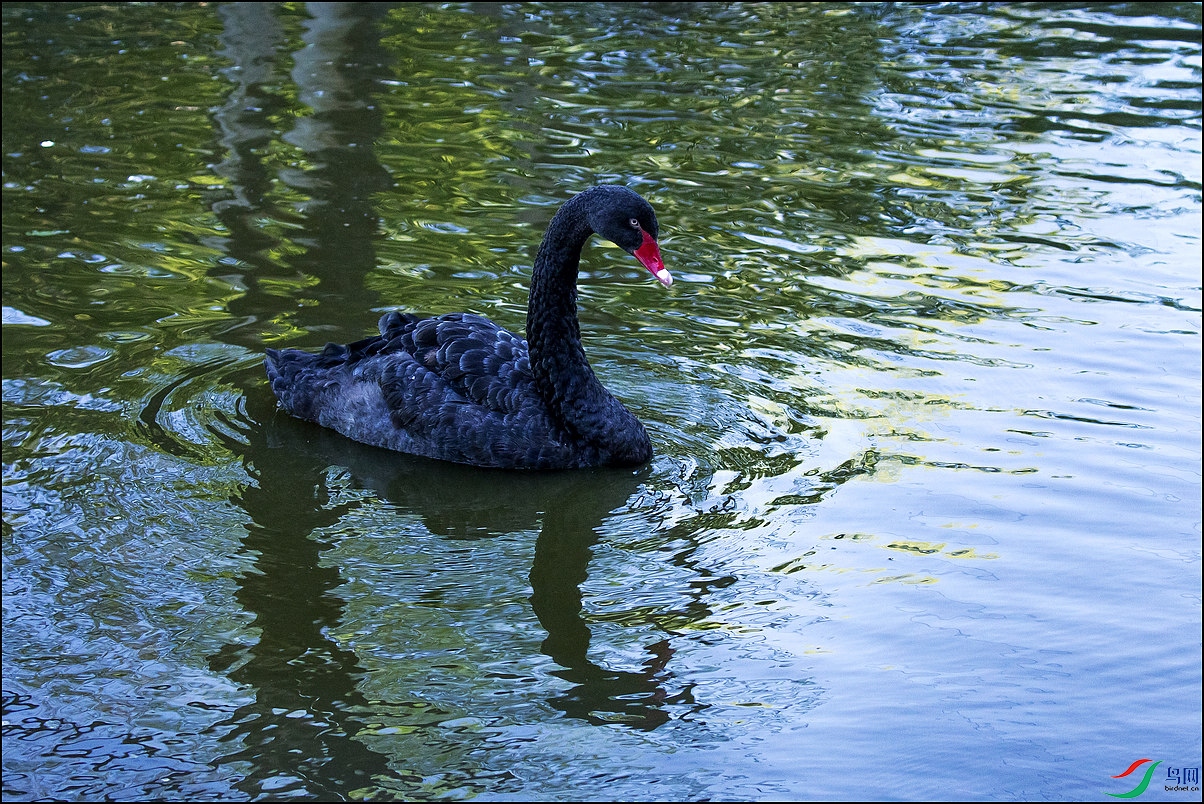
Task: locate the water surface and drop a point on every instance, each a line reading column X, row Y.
column 924, row 516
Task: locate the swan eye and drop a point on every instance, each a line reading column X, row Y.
column 634, row 223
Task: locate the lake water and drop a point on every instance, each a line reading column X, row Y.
column 924, row 519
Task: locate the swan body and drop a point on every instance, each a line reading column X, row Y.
column 460, row 388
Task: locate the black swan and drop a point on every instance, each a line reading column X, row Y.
column 460, row 388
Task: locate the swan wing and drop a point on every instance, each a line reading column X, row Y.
column 459, row 355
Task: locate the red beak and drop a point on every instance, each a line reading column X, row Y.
column 649, row 254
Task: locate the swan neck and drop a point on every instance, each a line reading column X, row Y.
column 558, row 362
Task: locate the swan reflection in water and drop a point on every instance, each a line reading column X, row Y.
column 297, row 666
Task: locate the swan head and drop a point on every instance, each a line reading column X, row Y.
column 623, row 217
